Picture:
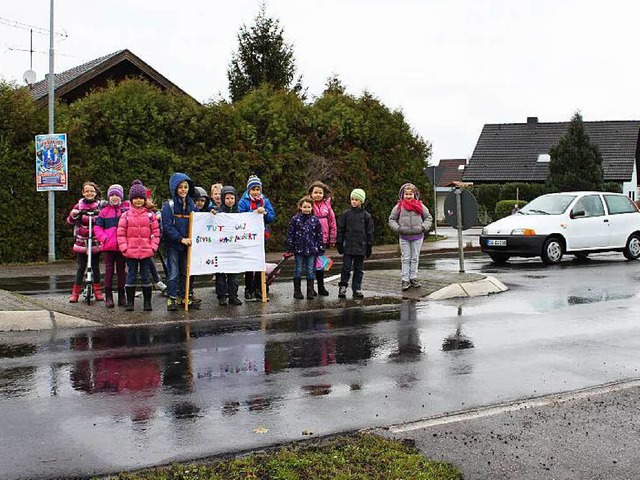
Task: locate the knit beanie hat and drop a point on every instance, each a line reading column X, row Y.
column 137, row 190
column 416, row 193
column 117, row 190
column 227, row 190
column 358, row 194
column 200, row 193
column 254, row 181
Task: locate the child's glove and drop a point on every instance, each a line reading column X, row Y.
column 340, row 248
column 369, row 248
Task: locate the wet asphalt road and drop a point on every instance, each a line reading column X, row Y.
column 85, row 402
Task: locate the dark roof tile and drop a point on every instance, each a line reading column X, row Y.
column 509, row 152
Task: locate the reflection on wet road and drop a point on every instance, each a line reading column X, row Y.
column 94, row 401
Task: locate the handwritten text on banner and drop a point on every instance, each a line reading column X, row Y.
column 227, row 242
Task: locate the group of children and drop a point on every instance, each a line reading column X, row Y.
column 129, row 232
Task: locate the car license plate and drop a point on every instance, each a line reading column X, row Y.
column 496, row 242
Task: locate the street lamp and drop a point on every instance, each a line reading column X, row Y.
column 52, row 198
column 435, row 204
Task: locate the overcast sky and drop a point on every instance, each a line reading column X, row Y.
column 450, row 65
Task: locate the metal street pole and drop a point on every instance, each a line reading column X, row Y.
column 458, row 194
column 435, row 204
column 52, row 197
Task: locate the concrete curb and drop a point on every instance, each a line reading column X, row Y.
column 30, row 320
column 469, row 289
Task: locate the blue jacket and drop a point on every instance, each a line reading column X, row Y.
column 248, row 204
column 175, row 218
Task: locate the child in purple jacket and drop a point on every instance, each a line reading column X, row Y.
column 304, row 240
column 106, row 230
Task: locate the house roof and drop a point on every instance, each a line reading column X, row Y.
column 449, row 171
column 78, row 81
column 509, row 152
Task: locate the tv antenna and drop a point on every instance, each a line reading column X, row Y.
column 29, row 76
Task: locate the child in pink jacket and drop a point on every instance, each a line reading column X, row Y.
column 321, row 195
column 106, row 229
column 138, row 239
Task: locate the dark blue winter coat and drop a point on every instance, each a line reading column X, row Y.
column 175, row 217
column 305, row 235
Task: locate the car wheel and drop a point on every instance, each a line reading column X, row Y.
column 499, row 258
column 632, row 249
column 581, row 255
column 552, row 251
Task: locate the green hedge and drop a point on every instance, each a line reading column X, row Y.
column 504, row 208
column 135, row 131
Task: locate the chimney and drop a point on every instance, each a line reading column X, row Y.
column 532, row 120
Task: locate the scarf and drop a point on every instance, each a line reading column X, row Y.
column 256, row 203
column 411, row 205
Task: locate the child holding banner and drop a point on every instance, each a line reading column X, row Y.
column 354, row 241
column 254, row 201
column 175, row 232
column 304, row 239
column 322, row 209
column 227, row 283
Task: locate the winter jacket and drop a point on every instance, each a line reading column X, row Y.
column 81, row 225
column 408, row 223
column 355, row 231
column 327, row 217
column 248, row 204
column 175, row 215
column 305, row 235
column 107, row 226
column 138, row 233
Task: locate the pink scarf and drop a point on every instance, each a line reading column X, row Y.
column 411, row 205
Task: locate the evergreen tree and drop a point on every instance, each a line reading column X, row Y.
column 576, row 163
column 263, row 57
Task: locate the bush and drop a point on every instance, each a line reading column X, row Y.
column 134, row 130
column 504, row 208
column 488, row 195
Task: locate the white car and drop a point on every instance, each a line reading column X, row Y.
column 578, row 223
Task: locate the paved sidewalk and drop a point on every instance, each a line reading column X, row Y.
column 381, row 287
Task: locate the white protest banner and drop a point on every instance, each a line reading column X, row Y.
column 226, row 242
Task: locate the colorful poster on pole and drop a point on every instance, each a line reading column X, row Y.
column 226, row 242
column 52, row 171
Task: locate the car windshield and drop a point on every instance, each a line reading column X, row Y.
column 548, row 205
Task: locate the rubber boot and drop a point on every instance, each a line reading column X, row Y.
column 320, row 278
column 122, row 299
column 75, row 293
column 97, row 292
column 146, row 298
column 108, row 298
column 297, row 288
column 310, row 295
column 131, row 295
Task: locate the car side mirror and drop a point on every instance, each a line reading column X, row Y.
column 577, row 213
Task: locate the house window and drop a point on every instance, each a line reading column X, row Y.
column 460, row 167
column 544, row 158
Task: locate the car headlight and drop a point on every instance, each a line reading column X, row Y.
column 527, row 232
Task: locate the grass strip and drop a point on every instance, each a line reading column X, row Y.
column 358, row 456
